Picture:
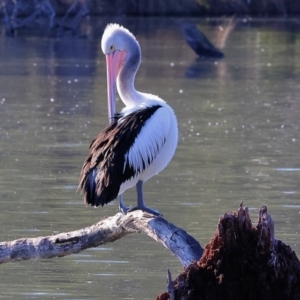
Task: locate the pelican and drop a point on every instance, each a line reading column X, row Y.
column 138, row 142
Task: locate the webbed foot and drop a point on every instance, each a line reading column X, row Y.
column 122, row 207
column 146, row 209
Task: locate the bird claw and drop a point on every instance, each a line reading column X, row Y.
column 122, row 207
column 124, row 210
column 146, row 209
column 140, row 206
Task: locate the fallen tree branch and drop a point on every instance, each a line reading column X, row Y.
column 109, row 229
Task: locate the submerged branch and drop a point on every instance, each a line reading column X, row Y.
column 109, row 229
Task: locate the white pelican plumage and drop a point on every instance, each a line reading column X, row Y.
column 139, row 142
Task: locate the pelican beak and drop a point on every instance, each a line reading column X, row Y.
column 114, row 62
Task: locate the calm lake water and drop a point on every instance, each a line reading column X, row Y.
column 239, row 141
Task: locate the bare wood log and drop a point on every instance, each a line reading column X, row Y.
column 109, row 229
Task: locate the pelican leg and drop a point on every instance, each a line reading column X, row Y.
column 122, row 207
column 140, row 201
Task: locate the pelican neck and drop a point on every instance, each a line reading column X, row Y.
column 125, row 81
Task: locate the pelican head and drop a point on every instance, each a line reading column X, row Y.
column 120, row 47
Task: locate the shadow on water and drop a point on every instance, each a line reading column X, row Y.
column 202, row 67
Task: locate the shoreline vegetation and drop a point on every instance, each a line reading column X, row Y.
column 25, row 8
column 71, row 15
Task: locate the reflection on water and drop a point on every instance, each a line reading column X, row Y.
column 239, row 141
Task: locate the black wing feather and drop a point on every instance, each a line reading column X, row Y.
column 103, row 171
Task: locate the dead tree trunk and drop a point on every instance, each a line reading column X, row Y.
column 241, row 261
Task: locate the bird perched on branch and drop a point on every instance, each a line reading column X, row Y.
column 139, row 141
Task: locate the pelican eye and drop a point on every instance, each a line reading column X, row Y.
column 112, row 48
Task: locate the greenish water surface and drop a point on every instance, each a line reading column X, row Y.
column 239, row 141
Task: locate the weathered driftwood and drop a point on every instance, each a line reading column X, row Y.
column 109, row 229
column 241, row 261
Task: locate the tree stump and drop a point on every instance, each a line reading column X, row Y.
column 241, row 261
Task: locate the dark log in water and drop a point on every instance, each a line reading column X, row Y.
column 199, row 42
column 241, row 261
